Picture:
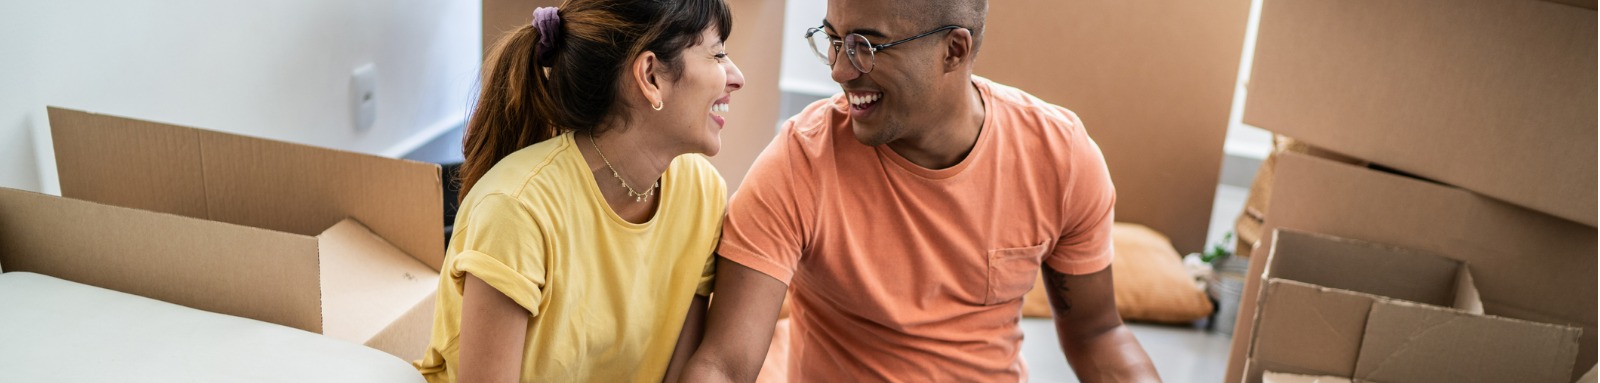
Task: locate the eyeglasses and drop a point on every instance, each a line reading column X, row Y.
column 856, row 46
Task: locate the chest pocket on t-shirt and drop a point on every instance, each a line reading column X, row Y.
column 1012, row 272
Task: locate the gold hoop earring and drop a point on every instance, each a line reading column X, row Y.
column 658, row 105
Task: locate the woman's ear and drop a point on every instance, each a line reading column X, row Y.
column 645, row 79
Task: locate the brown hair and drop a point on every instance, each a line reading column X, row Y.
column 520, row 103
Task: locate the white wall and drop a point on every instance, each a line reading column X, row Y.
column 277, row 69
column 802, row 72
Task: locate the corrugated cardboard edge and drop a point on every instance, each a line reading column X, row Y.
column 1340, row 263
column 269, row 276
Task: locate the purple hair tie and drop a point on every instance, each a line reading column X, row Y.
column 548, row 23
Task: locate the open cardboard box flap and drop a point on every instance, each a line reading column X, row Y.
column 1333, row 306
column 231, row 269
column 1409, row 342
column 1370, row 268
column 247, row 181
column 1284, row 340
column 1320, row 290
column 1314, row 330
column 1507, row 246
column 368, row 241
column 364, row 280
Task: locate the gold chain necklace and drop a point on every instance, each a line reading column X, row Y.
column 637, row 196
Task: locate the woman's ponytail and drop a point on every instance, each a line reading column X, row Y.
column 513, row 107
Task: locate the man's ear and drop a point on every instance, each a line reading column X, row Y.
column 643, row 73
column 958, row 49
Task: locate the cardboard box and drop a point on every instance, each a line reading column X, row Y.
column 1525, row 265
column 1248, row 227
column 1494, row 96
column 1347, row 308
column 1153, row 82
column 338, row 243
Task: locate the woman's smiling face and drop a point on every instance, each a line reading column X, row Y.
column 696, row 101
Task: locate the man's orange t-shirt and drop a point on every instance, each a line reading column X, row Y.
column 902, row 273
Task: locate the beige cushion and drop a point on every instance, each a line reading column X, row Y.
column 1151, row 284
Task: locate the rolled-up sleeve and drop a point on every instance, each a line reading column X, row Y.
column 504, row 247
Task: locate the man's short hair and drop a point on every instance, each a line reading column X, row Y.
column 966, row 13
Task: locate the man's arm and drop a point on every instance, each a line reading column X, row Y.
column 1098, row 346
column 738, row 327
column 694, row 326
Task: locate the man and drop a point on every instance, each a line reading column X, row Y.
column 910, row 215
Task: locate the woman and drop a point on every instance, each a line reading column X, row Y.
column 583, row 248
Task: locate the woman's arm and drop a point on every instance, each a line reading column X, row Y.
column 493, row 330
column 689, row 339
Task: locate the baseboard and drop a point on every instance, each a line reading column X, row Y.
column 422, row 137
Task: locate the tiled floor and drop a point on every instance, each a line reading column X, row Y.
column 1181, row 354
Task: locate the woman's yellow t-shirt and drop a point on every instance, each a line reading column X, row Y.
column 607, row 297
